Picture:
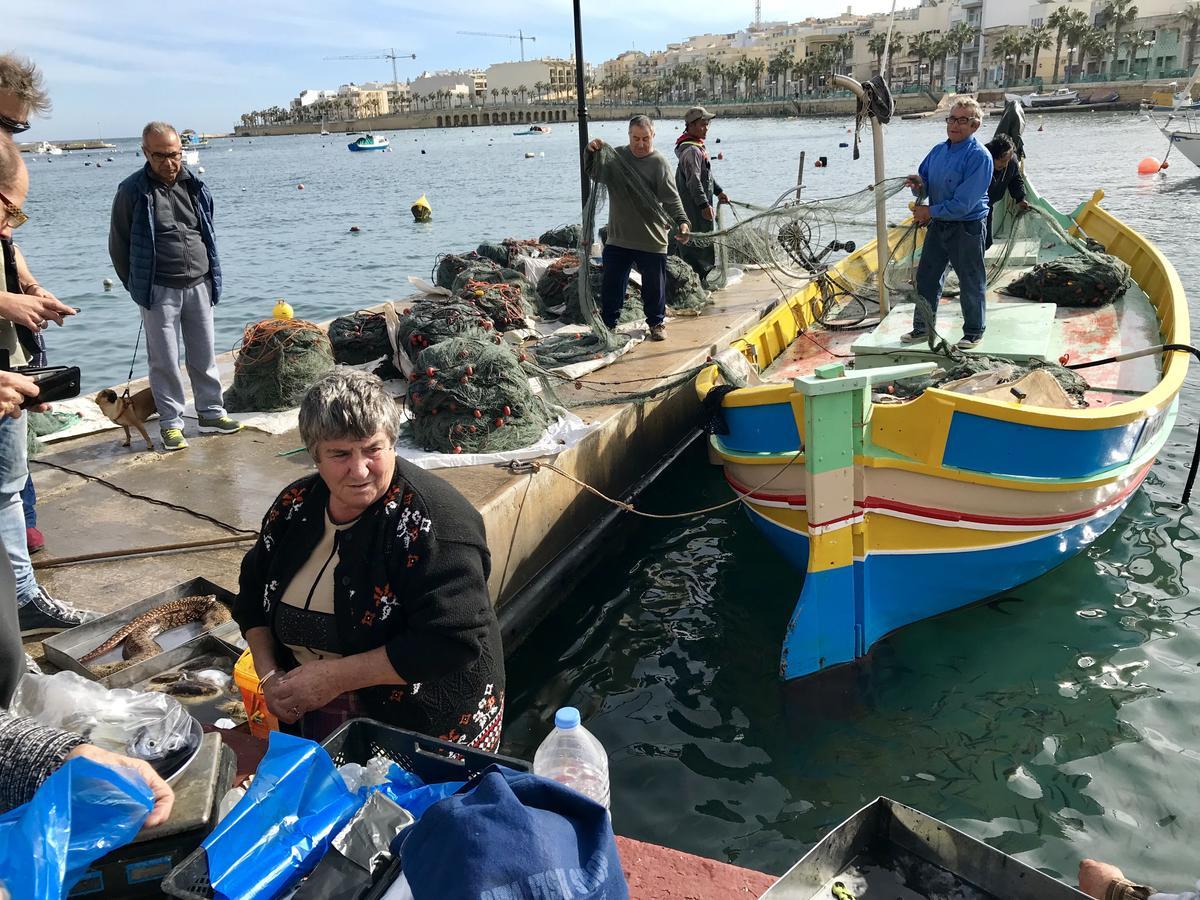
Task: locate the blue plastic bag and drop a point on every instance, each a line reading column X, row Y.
column 281, row 829
column 419, row 799
column 81, row 812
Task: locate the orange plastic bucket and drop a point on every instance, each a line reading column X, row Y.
column 261, row 722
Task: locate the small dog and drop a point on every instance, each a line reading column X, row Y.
column 129, row 412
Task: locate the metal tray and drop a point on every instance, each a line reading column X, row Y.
column 65, row 648
column 137, row 676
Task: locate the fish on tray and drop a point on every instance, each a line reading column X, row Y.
column 139, row 635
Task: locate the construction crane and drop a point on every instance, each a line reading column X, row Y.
column 391, row 54
column 519, row 36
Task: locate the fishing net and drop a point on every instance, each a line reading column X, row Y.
column 1088, row 278
column 506, row 303
column 359, row 338
column 556, row 283
column 686, row 295
column 472, row 396
column 448, row 266
column 44, row 423
column 566, row 236
column 276, row 363
column 509, row 252
column 480, row 270
column 429, row 321
column 1006, row 370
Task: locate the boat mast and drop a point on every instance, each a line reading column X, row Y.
column 582, row 110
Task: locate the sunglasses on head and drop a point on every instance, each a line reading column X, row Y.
column 16, row 218
column 12, row 126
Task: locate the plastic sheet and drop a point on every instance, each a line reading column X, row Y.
column 151, row 726
column 282, row 828
column 81, row 812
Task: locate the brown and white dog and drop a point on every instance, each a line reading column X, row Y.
column 129, row 412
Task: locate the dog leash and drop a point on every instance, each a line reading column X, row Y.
column 133, row 362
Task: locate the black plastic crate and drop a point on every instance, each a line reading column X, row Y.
column 358, row 741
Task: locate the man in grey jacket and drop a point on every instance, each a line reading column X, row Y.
column 642, row 205
column 697, row 187
column 163, row 248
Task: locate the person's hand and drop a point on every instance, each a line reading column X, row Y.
column 722, row 197
column 914, row 182
column 708, row 213
column 685, row 232
column 595, row 144
column 164, row 797
column 1095, row 877
column 308, row 687
column 15, row 389
column 1024, row 204
column 36, row 290
column 34, row 312
column 921, row 215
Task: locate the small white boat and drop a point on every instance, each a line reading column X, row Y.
column 47, row 147
column 1184, row 137
column 369, row 142
column 1061, row 97
column 535, row 129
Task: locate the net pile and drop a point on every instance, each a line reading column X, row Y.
column 469, row 395
column 686, row 295
column 448, row 266
column 1089, row 277
column 566, row 236
column 359, row 338
column 1072, row 383
column 276, row 363
column 506, row 303
column 430, row 321
column 509, row 251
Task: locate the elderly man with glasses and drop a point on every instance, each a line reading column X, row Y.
column 954, row 177
column 163, row 246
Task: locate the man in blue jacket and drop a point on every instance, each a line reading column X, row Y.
column 162, row 245
column 954, row 176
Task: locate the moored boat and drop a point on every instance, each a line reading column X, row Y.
column 369, row 142
column 899, row 510
column 534, row 129
column 190, row 139
column 1184, row 137
column 1060, row 97
column 887, row 849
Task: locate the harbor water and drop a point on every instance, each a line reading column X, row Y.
column 1056, row 722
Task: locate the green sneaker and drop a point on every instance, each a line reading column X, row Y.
column 173, row 439
column 223, row 425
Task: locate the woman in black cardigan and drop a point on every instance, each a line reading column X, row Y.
column 366, row 592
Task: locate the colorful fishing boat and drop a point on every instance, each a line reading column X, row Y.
column 369, row 142
column 899, row 510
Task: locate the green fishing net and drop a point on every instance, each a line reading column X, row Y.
column 472, row 396
column 359, row 338
column 567, row 236
column 276, row 363
column 431, row 320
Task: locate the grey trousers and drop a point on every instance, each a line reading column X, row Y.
column 187, row 311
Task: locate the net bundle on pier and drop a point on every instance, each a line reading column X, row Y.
column 359, row 338
column 276, row 363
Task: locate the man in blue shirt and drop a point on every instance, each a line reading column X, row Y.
column 954, row 176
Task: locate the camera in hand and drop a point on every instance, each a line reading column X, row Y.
column 54, row 383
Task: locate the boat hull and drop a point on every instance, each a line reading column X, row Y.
column 1186, row 142
column 357, row 148
column 896, row 512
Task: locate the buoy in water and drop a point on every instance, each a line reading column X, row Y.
column 200, row 170
column 843, row 144
column 717, row 141
column 1149, row 166
column 300, row 187
column 529, row 154
column 108, row 284
column 1164, row 166
column 283, row 310
column 720, row 156
column 354, row 229
column 422, row 152
column 421, row 210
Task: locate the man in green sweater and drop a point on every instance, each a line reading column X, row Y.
column 642, row 206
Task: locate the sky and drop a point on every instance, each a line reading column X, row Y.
column 112, row 66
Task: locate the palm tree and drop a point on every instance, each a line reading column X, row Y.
column 505, row 92
column 876, row 44
column 919, row 46
column 714, row 70
column 778, row 68
column 843, row 47
column 1078, row 27
column 959, row 35
column 1060, row 22
column 1038, row 38
column 1118, row 14
column 941, row 49
column 753, row 68
column 1097, row 45
column 522, row 90
column 1133, row 41
column 1189, row 16
column 1008, row 45
column 495, row 95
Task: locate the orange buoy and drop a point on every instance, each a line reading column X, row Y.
column 1149, row 166
column 1165, row 165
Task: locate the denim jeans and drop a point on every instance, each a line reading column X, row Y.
column 957, row 244
column 653, row 268
column 14, row 472
column 186, row 311
column 29, row 503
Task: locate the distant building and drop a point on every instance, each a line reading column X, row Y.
column 468, row 85
column 548, row 78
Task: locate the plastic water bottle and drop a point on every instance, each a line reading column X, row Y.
column 570, row 754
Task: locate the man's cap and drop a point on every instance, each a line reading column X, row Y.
column 696, row 113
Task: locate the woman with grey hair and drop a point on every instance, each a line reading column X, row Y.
column 366, row 592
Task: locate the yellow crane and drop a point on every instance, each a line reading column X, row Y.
column 519, row 36
column 391, row 54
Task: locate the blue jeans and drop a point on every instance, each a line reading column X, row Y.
column 29, row 503
column 14, row 472
column 958, row 244
column 618, row 261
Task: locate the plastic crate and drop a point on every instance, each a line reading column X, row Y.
column 357, row 741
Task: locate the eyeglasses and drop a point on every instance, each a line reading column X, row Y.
column 12, row 126
column 14, row 216
column 959, row 120
column 163, row 157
